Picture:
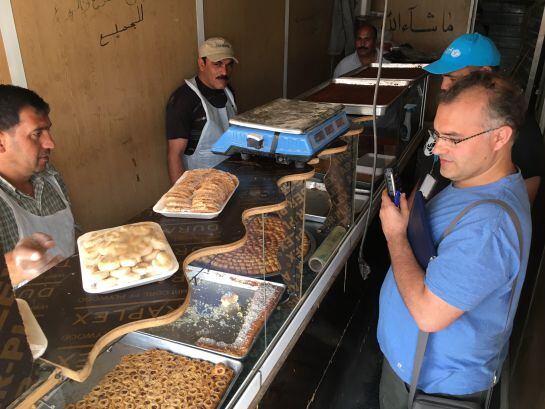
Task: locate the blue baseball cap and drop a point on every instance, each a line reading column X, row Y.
column 467, row 50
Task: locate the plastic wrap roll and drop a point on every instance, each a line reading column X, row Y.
column 322, row 254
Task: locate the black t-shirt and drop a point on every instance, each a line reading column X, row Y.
column 528, row 154
column 185, row 115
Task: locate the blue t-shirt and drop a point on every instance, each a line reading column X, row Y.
column 474, row 271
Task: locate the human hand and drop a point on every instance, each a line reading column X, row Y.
column 30, row 257
column 394, row 220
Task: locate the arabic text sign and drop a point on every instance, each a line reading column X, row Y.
column 426, row 24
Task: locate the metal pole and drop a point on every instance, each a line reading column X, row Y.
column 472, row 16
column 535, row 63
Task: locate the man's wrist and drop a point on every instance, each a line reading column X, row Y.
column 399, row 241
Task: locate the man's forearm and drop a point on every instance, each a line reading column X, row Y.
column 175, row 167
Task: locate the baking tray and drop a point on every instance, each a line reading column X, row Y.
column 317, row 203
column 371, row 81
column 287, row 116
column 88, row 284
column 157, row 208
column 70, row 391
column 357, row 99
column 389, row 72
column 364, row 165
column 206, row 319
column 249, row 260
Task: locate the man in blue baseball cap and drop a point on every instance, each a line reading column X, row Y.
column 468, row 53
column 475, row 52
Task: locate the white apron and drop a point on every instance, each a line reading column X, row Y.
column 60, row 225
column 217, row 122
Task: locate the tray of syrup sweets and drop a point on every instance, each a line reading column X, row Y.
column 225, row 314
column 142, row 371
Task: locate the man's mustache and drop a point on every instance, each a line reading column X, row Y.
column 363, row 48
column 223, row 77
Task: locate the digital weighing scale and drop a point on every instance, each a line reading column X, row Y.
column 289, row 130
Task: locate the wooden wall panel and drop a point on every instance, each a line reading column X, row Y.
column 5, row 77
column 309, row 31
column 107, row 69
column 256, row 30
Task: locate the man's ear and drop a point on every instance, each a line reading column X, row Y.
column 3, row 137
column 503, row 136
column 201, row 64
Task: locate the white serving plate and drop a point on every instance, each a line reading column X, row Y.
column 88, row 283
column 158, row 208
column 35, row 336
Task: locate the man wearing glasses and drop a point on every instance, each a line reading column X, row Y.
column 463, row 296
column 466, row 54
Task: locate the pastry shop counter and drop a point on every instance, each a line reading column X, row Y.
column 247, row 295
column 286, row 324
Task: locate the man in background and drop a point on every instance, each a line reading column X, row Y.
column 366, row 51
column 198, row 112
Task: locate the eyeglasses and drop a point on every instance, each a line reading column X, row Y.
column 455, row 141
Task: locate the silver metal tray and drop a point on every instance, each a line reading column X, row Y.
column 70, row 391
column 287, row 116
column 317, row 204
column 398, row 65
column 357, row 109
column 370, row 81
column 207, row 324
column 356, row 71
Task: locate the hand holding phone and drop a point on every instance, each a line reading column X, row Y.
column 393, row 184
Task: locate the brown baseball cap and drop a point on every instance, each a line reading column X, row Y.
column 217, row 49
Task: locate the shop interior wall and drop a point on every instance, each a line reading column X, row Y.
column 4, row 71
column 108, row 67
column 256, row 30
column 309, row 29
column 427, row 25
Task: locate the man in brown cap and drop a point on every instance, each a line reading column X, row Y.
column 198, row 112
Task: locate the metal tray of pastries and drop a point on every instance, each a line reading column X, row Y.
column 142, row 371
column 254, row 258
column 225, row 314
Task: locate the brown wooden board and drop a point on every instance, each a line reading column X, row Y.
column 5, row 77
column 258, row 77
column 16, row 364
column 291, row 250
column 79, row 325
column 107, row 69
column 309, row 32
column 340, row 182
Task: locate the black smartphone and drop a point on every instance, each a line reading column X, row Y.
column 393, row 184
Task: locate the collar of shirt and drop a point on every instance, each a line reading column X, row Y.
column 37, row 180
